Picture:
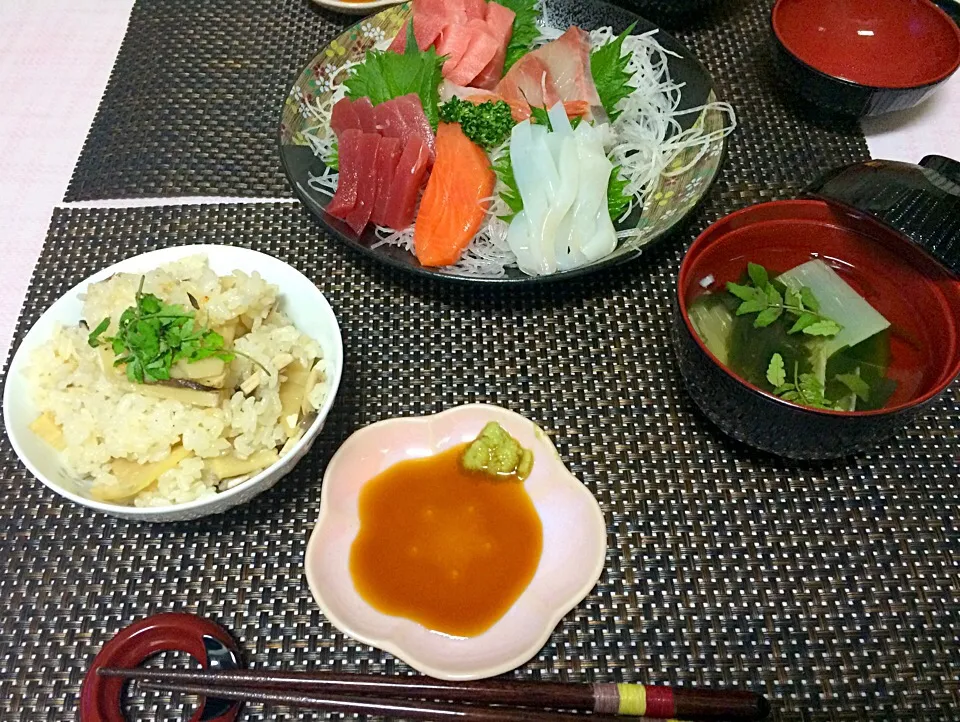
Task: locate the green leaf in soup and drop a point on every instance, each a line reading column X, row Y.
column 754, row 305
column 776, row 372
column 856, row 385
column 773, row 295
column 824, row 327
column 805, row 320
column 744, row 293
column 767, row 316
column 758, row 274
column 809, row 299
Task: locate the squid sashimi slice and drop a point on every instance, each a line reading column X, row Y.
column 483, row 46
column 597, row 238
column 344, row 117
column 411, row 111
column 411, row 168
column 568, row 58
column 538, row 180
column 358, row 218
column 388, row 156
column 345, row 198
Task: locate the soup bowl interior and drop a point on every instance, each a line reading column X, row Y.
column 876, row 43
column 914, row 293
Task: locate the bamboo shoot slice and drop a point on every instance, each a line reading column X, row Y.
column 292, row 392
column 203, row 369
column 46, row 427
column 132, row 478
column 229, row 465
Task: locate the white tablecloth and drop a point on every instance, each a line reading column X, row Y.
column 55, row 60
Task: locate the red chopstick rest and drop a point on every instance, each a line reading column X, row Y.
column 205, row 641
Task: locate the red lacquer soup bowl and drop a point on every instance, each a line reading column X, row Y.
column 919, row 298
column 864, row 57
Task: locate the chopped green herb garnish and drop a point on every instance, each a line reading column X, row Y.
column 524, row 32
column 153, row 335
column 487, row 124
column 805, row 389
column 608, row 65
column 384, row 75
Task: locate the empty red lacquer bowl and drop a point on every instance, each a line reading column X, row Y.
column 858, row 227
column 864, row 57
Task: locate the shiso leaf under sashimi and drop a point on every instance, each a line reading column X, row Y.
column 525, row 30
column 384, row 75
column 608, row 65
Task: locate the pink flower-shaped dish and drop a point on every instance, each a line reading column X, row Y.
column 574, row 545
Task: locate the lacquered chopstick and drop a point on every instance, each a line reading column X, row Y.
column 406, row 709
column 605, row 698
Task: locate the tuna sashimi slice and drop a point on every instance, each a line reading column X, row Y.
column 358, row 218
column 426, row 30
column 388, row 155
column 344, row 117
column 453, row 42
column 568, row 58
column 454, row 10
column 441, row 8
column 411, row 110
column 475, row 9
column 411, row 168
column 500, row 20
column 488, row 78
column 389, row 121
column 483, row 47
column 364, row 110
column 529, row 82
column 348, row 147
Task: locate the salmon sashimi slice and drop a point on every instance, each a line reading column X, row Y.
column 358, row 218
column 348, row 147
column 411, row 169
column 344, row 117
column 388, row 155
column 568, row 58
column 456, row 199
column 411, row 110
column 483, row 47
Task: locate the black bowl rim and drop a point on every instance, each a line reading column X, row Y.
column 460, row 280
column 756, row 390
column 853, row 85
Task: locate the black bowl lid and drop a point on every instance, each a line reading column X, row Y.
column 921, row 202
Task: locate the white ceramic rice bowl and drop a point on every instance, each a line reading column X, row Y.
column 301, row 301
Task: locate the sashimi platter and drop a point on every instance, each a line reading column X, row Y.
column 510, row 140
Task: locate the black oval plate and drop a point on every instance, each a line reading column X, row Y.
column 668, row 204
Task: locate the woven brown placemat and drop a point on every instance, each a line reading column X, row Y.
column 193, row 104
column 834, row 588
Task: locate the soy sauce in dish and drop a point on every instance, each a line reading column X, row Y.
column 445, row 547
